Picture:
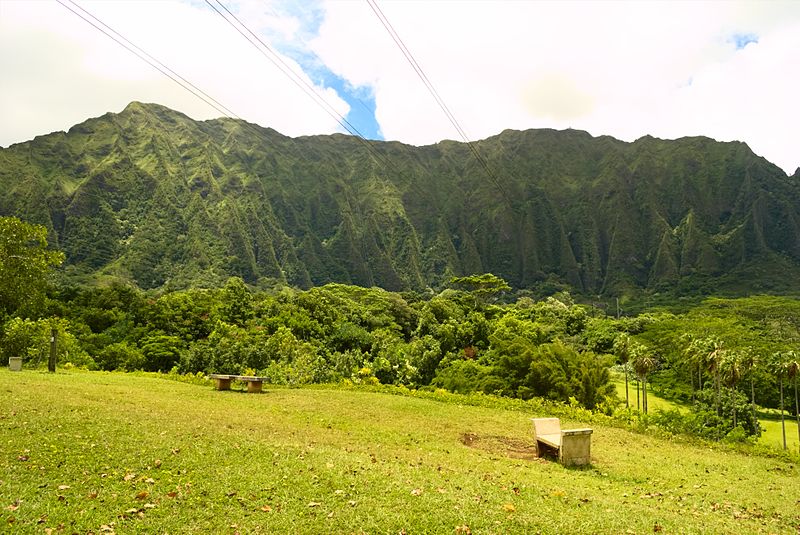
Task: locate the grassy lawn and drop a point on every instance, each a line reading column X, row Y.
column 96, row 452
column 772, row 435
column 769, row 420
column 653, row 401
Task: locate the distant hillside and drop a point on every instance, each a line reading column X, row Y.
column 153, row 196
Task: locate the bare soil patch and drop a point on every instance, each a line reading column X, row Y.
column 513, row 447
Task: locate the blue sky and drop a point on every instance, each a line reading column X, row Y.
column 725, row 70
column 741, row 40
column 310, row 16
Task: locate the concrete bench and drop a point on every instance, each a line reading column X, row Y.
column 572, row 446
column 223, row 382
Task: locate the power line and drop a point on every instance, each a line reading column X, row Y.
column 432, row 90
column 298, row 80
column 228, row 113
column 143, row 55
column 150, row 60
column 310, row 51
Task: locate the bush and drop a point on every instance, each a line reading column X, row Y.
column 120, row 356
column 30, row 340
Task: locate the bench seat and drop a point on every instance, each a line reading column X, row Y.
column 572, row 446
column 223, row 381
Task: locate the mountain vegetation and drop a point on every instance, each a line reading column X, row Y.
column 722, row 358
column 153, row 197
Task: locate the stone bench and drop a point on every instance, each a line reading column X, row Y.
column 573, row 447
column 223, row 382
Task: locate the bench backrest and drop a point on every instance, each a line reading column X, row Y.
column 546, row 426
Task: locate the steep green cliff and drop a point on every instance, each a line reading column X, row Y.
column 155, row 197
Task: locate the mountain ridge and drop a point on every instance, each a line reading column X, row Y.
column 152, row 196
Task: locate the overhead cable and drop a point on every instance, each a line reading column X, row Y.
column 436, row 96
column 298, row 80
column 165, row 70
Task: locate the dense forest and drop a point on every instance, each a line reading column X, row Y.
column 149, row 241
column 153, row 198
column 723, row 356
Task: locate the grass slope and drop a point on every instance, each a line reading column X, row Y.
column 112, row 452
column 769, row 420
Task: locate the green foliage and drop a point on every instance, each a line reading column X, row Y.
column 484, row 287
column 236, row 302
column 30, row 340
column 554, row 371
column 161, row 352
column 121, row 356
column 25, row 262
column 174, row 203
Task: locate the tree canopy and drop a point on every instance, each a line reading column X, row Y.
column 25, row 262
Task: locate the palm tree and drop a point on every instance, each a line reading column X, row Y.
column 622, row 349
column 749, row 363
column 731, row 371
column 778, row 368
column 643, row 364
column 792, row 372
column 695, row 354
column 713, row 360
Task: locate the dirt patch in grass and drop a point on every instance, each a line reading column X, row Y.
column 515, row 448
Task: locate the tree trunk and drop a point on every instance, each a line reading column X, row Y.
column 51, row 362
column 797, row 412
column 644, row 394
column 638, row 407
column 626, row 386
column 783, row 422
column 699, row 377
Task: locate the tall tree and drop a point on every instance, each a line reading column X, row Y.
column 25, row 262
column 778, row 368
column 731, row 373
column 484, row 287
column 643, row 363
column 622, row 350
column 793, row 372
column 750, row 362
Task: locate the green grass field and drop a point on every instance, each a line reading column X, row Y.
column 770, row 420
column 97, row 452
column 653, row 401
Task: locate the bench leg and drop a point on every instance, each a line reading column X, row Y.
column 576, row 451
column 223, row 384
column 254, row 387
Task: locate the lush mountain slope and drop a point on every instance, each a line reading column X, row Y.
column 151, row 195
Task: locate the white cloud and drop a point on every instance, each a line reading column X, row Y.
column 58, row 70
column 625, row 69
